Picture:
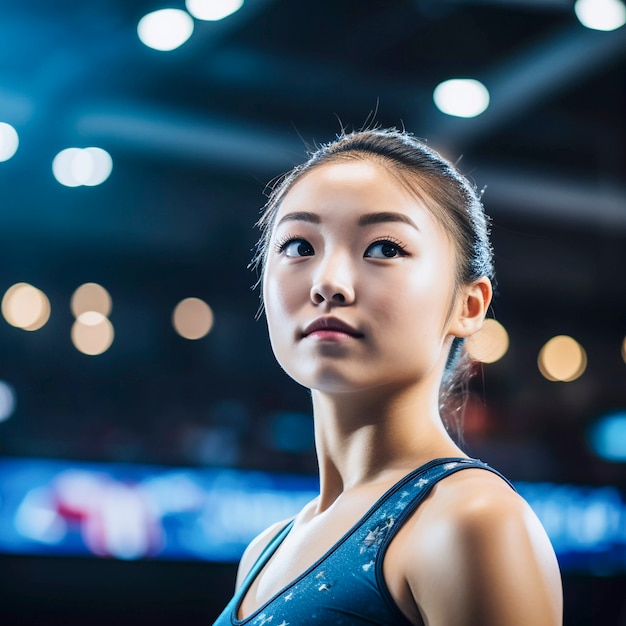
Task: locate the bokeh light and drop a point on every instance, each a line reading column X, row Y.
column 7, row 401
column 166, row 29
column 607, row 436
column 91, row 297
column 562, row 359
column 9, row 141
column 603, row 15
column 489, row 344
column 461, row 97
column 92, row 334
column 192, row 318
column 26, row 307
column 213, row 10
column 624, row 349
column 74, row 167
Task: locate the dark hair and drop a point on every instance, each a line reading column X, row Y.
column 453, row 200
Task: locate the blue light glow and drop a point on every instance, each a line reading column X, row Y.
column 7, row 401
column 136, row 511
column 607, row 436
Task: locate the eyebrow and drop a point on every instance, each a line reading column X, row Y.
column 300, row 216
column 365, row 220
column 386, row 216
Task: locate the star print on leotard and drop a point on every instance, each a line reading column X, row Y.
column 375, row 537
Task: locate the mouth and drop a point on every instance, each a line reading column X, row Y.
column 330, row 328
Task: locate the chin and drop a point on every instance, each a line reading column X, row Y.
column 328, row 381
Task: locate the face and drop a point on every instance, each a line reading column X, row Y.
column 359, row 281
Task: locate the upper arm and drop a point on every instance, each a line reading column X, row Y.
column 487, row 562
column 254, row 551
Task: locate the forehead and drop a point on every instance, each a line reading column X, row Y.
column 356, row 185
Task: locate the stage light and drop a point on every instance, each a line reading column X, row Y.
column 92, row 334
column 7, row 401
column 489, row 344
column 91, row 297
column 166, row 29
column 562, row 359
column 461, row 97
column 91, row 318
column 192, row 318
column 62, row 167
column 95, row 166
column 213, row 10
column 601, row 14
column 25, row 307
column 9, row 141
column 74, row 167
column 607, row 436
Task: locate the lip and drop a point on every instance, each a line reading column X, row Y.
column 330, row 325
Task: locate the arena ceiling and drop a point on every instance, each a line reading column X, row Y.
column 196, row 133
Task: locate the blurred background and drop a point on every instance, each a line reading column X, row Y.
column 146, row 431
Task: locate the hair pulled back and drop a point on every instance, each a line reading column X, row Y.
column 453, row 200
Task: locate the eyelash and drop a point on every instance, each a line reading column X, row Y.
column 283, row 242
column 396, row 242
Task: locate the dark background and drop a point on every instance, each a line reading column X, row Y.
column 195, row 135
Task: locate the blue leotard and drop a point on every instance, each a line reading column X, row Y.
column 346, row 586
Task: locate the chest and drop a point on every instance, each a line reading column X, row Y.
column 316, row 540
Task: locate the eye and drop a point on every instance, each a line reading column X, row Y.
column 296, row 248
column 384, row 250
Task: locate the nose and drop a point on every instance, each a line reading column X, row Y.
column 333, row 283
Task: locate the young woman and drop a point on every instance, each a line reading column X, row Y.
column 376, row 265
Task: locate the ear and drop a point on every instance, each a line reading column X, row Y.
column 471, row 307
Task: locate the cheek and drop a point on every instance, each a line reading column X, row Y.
column 418, row 299
column 281, row 298
column 277, row 294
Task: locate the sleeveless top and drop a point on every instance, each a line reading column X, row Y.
column 346, row 586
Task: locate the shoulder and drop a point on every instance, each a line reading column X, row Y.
column 479, row 555
column 255, row 549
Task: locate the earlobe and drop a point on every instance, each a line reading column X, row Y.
column 473, row 303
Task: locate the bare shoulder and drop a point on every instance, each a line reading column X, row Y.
column 255, row 549
column 479, row 555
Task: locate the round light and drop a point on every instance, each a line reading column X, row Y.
column 607, row 436
column 166, row 29
column 62, row 166
column 461, row 97
column 73, row 167
column 213, row 10
column 489, row 344
column 91, row 318
column 26, row 307
column 91, row 297
column 90, row 338
column 624, row 349
column 601, row 14
column 562, row 359
column 9, row 141
column 7, row 401
column 192, row 318
column 91, row 166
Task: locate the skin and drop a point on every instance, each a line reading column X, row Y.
column 352, row 242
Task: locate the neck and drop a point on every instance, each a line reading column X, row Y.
column 367, row 437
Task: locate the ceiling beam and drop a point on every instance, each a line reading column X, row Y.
column 518, row 83
column 227, row 143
